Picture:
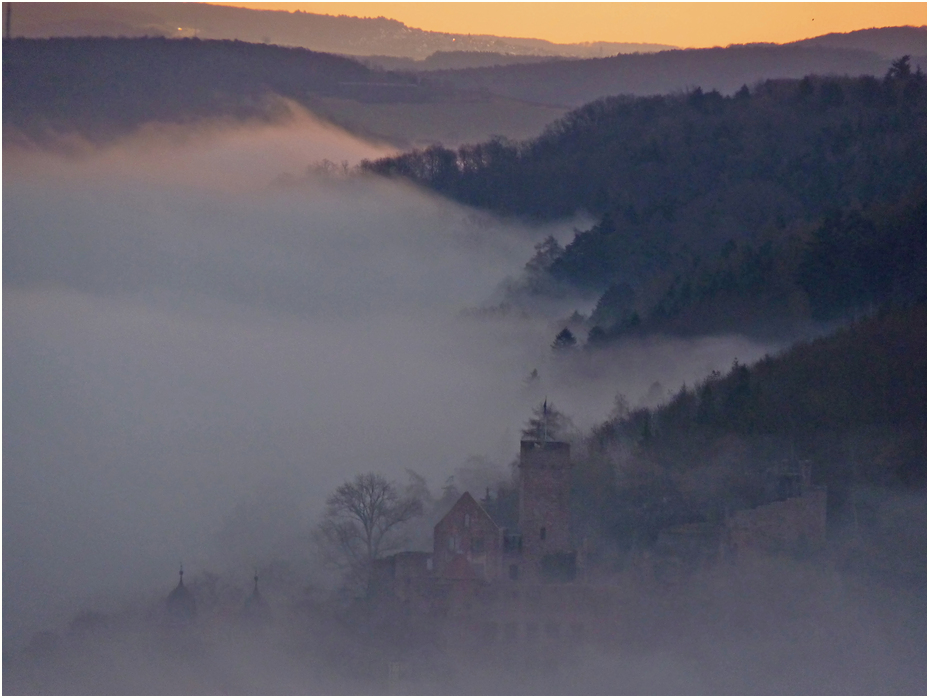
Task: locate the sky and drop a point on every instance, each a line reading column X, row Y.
column 683, row 24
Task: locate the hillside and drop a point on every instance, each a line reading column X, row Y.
column 677, row 179
column 101, row 88
column 871, row 373
column 573, row 83
column 98, row 85
column 354, row 36
column 853, row 404
column 889, row 42
column 857, row 259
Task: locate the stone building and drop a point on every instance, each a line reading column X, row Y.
column 487, row 585
column 499, row 590
column 467, row 531
column 547, row 553
column 793, row 523
column 540, row 550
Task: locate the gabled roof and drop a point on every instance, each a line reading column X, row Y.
column 466, row 501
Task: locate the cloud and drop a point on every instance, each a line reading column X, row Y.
column 183, row 324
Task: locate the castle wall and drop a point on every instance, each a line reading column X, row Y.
column 498, row 617
column 788, row 523
column 467, row 530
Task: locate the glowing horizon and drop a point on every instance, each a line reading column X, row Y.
column 683, row 24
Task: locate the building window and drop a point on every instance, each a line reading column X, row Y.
column 514, row 572
column 477, row 545
column 467, row 520
column 542, row 533
column 451, row 543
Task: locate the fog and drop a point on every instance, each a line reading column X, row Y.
column 203, row 337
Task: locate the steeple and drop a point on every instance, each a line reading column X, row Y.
column 255, row 609
column 182, row 607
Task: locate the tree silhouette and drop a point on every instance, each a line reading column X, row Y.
column 899, row 69
column 564, row 340
column 361, row 516
column 548, row 424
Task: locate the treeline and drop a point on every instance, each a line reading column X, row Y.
column 574, row 83
column 856, row 260
column 100, row 85
column 680, row 179
column 852, row 403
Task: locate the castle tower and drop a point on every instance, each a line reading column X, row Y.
column 544, row 510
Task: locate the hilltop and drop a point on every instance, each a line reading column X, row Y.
column 406, row 99
column 354, row 36
column 571, row 83
column 704, row 199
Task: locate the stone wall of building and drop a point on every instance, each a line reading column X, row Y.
column 786, row 524
column 468, row 531
column 498, row 616
column 544, row 503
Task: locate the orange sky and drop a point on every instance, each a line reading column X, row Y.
column 677, row 23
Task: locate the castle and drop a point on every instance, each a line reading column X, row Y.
column 487, row 586
column 495, row 587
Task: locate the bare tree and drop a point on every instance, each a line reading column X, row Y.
column 362, row 514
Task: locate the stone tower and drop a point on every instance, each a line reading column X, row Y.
column 544, row 510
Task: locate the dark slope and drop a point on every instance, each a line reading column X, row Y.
column 102, row 86
column 856, row 259
column 852, row 405
column 699, row 166
column 710, row 207
column 869, row 375
column 573, row 83
column 889, row 42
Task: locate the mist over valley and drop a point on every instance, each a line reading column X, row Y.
column 223, row 310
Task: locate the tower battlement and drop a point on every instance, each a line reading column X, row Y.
column 544, row 454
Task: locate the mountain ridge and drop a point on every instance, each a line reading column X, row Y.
column 356, row 36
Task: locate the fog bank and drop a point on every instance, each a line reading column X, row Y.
column 192, row 318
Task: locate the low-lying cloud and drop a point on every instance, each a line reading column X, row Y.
column 190, row 317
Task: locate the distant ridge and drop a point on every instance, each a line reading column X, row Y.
column 571, row 83
column 888, row 42
column 354, row 36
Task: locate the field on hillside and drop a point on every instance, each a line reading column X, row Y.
column 451, row 123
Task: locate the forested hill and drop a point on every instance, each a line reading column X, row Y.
column 353, row 36
column 853, row 404
column 573, row 83
column 677, row 178
column 697, row 160
column 870, row 375
column 97, row 85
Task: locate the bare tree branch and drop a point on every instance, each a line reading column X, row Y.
column 360, row 516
